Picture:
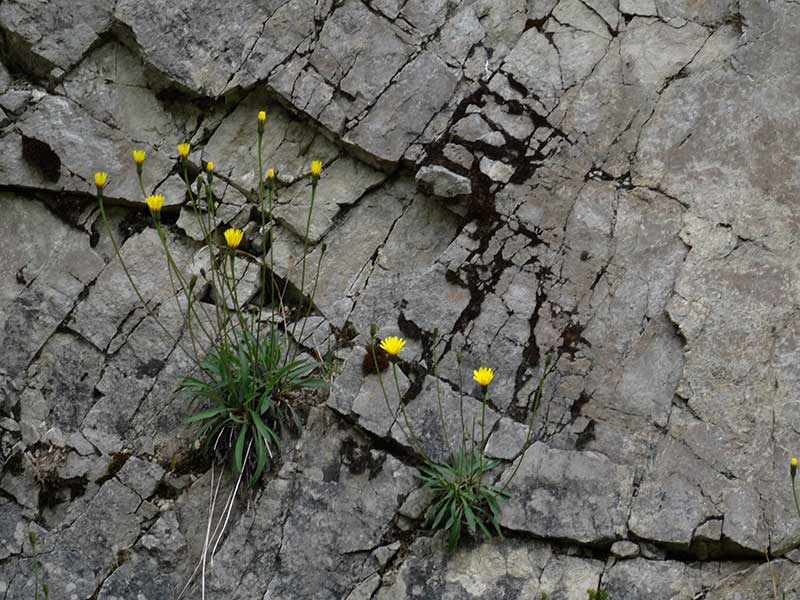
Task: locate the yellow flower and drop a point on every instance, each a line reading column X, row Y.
column 210, row 166
column 270, row 173
column 316, row 168
column 793, row 467
column 183, row 150
column 393, row 344
column 155, row 203
column 138, row 156
column 262, row 116
column 233, row 237
column 483, row 376
column 100, row 179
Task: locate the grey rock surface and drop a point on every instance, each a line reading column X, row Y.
column 442, row 182
column 620, row 178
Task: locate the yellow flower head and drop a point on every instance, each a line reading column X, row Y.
column 270, row 173
column 233, row 237
column 183, row 150
column 793, row 467
column 316, row 168
column 392, row 345
column 100, row 179
column 138, row 156
column 155, row 203
column 210, row 166
column 262, row 116
column 483, row 376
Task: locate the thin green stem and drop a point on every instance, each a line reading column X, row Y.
column 235, row 296
column 439, row 401
column 311, row 303
column 217, row 272
column 483, row 419
column 483, row 424
column 141, row 181
column 263, row 229
column 272, row 286
column 794, row 495
column 35, row 567
column 305, row 246
column 172, row 266
column 380, row 380
column 149, row 311
column 461, row 404
column 537, row 398
column 413, row 439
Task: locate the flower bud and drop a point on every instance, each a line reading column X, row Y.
column 100, row 180
column 316, row 169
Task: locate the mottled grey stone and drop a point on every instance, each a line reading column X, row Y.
column 111, row 85
column 341, row 185
column 657, row 579
column 112, row 298
column 192, row 34
column 759, row 582
column 13, row 531
column 75, row 159
column 534, row 64
column 518, row 126
column 496, row 170
column 442, row 182
column 490, row 570
column 508, row 439
column 435, row 438
column 40, row 282
column 84, row 553
column 151, row 567
column 288, row 145
column 638, row 7
column 349, row 58
column 400, row 115
column 48, row 39
column 572, row 495
column 473, row 128
column 625, row 549
column 336, row 490
column 459, row 155
column 141, row 476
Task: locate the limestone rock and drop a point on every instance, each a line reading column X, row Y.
column 552, row 488
column 442, row 182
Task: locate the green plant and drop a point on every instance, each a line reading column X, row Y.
column 247, row 387
column 245, row 373
column 598, row 594
column 462, row 498
column 242, row 376
column 36, row 567
column 462, row 495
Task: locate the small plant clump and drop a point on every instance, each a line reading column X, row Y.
column 462, row 496
column 243, row 375
column 36, row 567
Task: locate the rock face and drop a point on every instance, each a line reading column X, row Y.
column 610, row 184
